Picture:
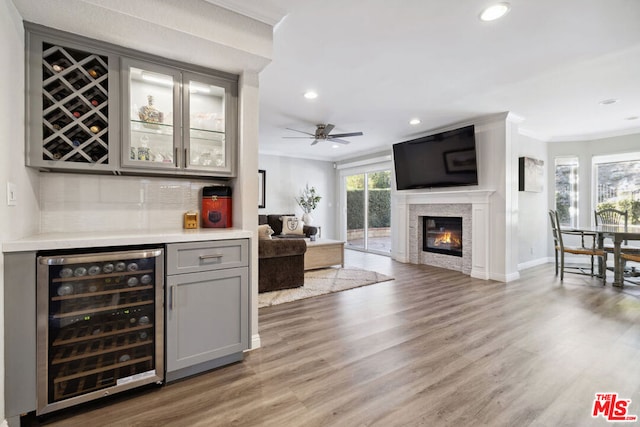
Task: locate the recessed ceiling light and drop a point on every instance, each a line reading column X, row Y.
column 310, row 94
column 632, row 118
column 335, row 146
column 414, row 122
column 609, row 101
column 495, row 11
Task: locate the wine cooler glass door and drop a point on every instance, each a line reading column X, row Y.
column 100, row 327
column 153, row 95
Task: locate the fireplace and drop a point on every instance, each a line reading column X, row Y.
column 442, row 235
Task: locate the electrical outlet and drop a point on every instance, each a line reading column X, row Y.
column 12, row 194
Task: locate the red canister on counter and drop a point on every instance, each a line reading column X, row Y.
column 216, row 207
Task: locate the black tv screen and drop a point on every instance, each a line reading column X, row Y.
column 446, row 159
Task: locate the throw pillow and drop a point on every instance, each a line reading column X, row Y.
column 292, row 225
column 264, row 232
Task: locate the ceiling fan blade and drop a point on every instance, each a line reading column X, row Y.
column 298, row 137
column 306, row 133
column 315, row 142
column 345, row 135
column 339, row 141
column 327, row 128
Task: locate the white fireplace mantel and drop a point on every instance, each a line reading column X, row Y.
column 479, row 201
column 437, row 197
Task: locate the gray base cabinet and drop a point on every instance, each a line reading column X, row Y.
column 207, row 306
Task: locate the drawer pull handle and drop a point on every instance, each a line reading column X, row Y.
column 212, row 256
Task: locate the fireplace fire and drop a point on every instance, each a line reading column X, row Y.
column 442, row 235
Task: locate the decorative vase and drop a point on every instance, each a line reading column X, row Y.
column 307, row 218
column 149, row 113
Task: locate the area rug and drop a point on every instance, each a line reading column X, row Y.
column 324, row 281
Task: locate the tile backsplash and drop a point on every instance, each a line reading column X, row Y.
column 70, row 202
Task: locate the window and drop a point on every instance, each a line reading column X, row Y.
column 566, row 183
column 617, row 184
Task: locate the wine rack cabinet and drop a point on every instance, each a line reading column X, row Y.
column 101, row 325
column 73, row 96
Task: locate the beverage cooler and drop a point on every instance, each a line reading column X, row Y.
column 100, row 325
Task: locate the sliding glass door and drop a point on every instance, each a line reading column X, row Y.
column 369, row 211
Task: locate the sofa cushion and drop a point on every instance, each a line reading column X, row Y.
column 276, row 225
column 292, row 225
column 264, row 232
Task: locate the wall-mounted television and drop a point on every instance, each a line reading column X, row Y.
column 446, row 159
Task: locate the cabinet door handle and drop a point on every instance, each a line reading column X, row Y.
column 177, row 160
column 186, row 156
column 203, row 257
column 172, row 297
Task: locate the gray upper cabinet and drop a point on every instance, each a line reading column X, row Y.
column 97, row 107
column 174, row 119
column 72, row 115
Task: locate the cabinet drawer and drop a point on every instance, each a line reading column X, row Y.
column 205, row 256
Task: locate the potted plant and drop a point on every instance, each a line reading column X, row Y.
column 308, row 201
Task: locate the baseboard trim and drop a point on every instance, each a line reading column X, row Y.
column 479, row 274
column 533, row 263
column 505, row 278
column 255, row 342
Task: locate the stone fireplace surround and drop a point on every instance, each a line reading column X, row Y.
column 473, row 207
column 418, row 256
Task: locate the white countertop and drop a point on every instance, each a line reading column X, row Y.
column 53, row 241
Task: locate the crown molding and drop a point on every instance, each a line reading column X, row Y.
column 264, row 11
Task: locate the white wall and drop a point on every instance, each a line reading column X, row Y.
column 15, row 221
column 533, row 221
column 285, row 179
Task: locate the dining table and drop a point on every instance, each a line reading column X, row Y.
column 618, row 234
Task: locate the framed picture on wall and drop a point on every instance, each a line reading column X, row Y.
column 530, row 174
column 262, row 186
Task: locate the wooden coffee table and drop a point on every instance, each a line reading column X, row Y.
column 323, row 253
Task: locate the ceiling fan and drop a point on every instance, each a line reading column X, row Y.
column 323, row 133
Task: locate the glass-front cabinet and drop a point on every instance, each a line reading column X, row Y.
column 177, row 120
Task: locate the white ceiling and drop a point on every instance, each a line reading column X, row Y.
column 376, row 64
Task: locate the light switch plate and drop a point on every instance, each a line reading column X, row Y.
column 12, row 194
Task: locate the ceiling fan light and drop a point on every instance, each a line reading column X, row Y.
column 495, row 11
column 310, row 94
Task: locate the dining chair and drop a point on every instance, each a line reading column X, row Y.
column 612, row 216
column 630, row 257
column 560, row 249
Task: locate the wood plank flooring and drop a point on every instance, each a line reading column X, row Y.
column 431, row 348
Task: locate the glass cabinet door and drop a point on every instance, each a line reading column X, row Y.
column 152, row 94
column 206, row 142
